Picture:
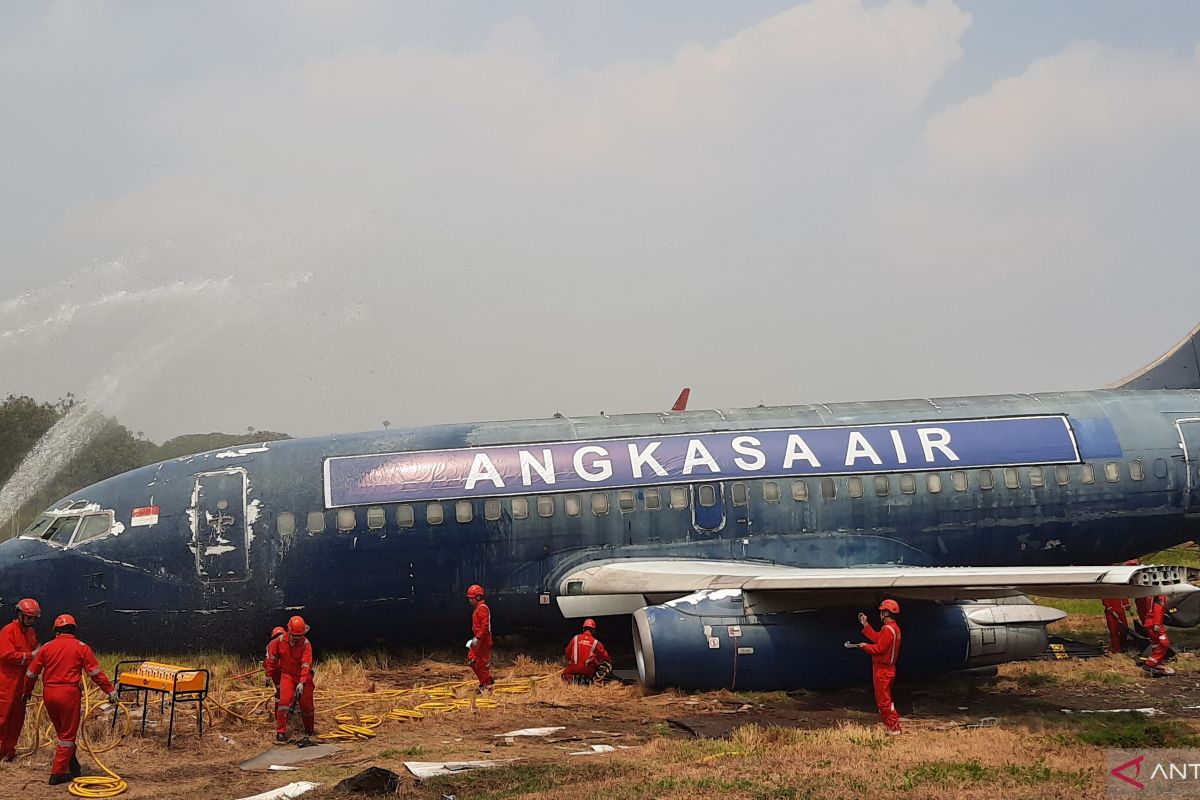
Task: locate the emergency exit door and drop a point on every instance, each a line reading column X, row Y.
column 1189, row 441
column 218, row 518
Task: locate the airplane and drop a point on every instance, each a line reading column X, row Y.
column 737, row 545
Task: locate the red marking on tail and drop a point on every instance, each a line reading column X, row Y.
column 681, row 401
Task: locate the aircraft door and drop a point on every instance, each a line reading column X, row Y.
column 1189, row 440
column 218, row 517
column 708, row 507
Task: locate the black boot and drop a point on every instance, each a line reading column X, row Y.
column 76, row 769
column 60, row 777
column 281, row 737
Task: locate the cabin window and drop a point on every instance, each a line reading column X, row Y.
column 434, row 514
column 491, row 509
column 375, row 518
column 347, row 520
column 316, row 522
column 1012, row 478
column 933, row 482
column 600, row 503
column 94, row 525
column 653, row 500
column 1088, row 473
column 60, row 530
column 625, row 501
column 573, row 505
column 707, row 495
column 771, row 492
column 1037, row 477
column 405, row 517
column 908, row 484
column 828, row 488
column 520, row 507
column 739, row 494
column 987, row 481
column 285, row 523
column 1135, row 470
column 679, row 497
column 464, row 511
column 1160, row 468
column 854, row 486
column 545, row 505
column 1062, row 475
column 800, row 491
column 1112, row 472
column 959, row 481
column 881, row 485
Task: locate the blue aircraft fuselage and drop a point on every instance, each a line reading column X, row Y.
column 212, row 550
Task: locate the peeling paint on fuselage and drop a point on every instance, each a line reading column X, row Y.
column 406, row 582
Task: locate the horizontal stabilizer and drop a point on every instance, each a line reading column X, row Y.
column 1179, row 368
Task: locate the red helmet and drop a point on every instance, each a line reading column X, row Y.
column 589, row 623
column 63, row 620
column 296, row 626
column 474, row 590
column 29, row 607
column 890, row 606
column 1133, row 562
column 278, row 631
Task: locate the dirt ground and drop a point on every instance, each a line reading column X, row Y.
column 670, row 744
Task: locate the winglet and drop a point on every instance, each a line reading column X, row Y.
column 1178, row 368
column 682, row 400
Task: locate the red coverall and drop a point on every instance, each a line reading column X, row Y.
column 1157, row 631
column 480, row 654
column 17, row 644
column 290, row 665
column 884, row 649
column 64, row 660
column 584, row 653
column 1116, row 617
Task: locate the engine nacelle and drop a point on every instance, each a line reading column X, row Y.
column 707, row 641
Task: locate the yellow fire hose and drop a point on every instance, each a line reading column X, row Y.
column 438, row 698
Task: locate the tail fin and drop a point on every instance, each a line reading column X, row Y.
column 681, row 401
column 1178, row 368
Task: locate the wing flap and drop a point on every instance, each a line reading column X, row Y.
column 684, row 576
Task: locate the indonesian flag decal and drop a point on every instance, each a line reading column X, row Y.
column 146, row 515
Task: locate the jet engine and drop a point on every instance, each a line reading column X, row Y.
column 707, row 640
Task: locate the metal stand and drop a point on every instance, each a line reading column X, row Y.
column 172, row 691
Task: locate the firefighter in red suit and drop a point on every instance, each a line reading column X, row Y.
column 289, row 666
column 64, row 661
column 1116, row 617
column 884, row 648
column 1156, row 629
column 479, row 648
column 585, row 653
column 18, row 643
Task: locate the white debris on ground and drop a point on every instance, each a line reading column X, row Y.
column 286, row 792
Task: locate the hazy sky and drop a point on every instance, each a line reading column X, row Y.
column 312, row 217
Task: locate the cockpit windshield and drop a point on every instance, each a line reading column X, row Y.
column 67, row 529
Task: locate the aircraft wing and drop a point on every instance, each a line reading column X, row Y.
column 621, row 586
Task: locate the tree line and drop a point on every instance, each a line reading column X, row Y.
column 112, row 449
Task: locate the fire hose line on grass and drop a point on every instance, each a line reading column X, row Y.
column 108, row 785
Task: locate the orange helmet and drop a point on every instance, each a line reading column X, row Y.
column 296, row 626
column 474, row 590
column 278, row 631
column 29, row 607
column 589, row 623
column 63, row 620
column 890, row 606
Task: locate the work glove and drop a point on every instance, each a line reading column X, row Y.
column 474, row 640
column 114, row 697
column 267, row 682
column 296, row 697
column 851, row 645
